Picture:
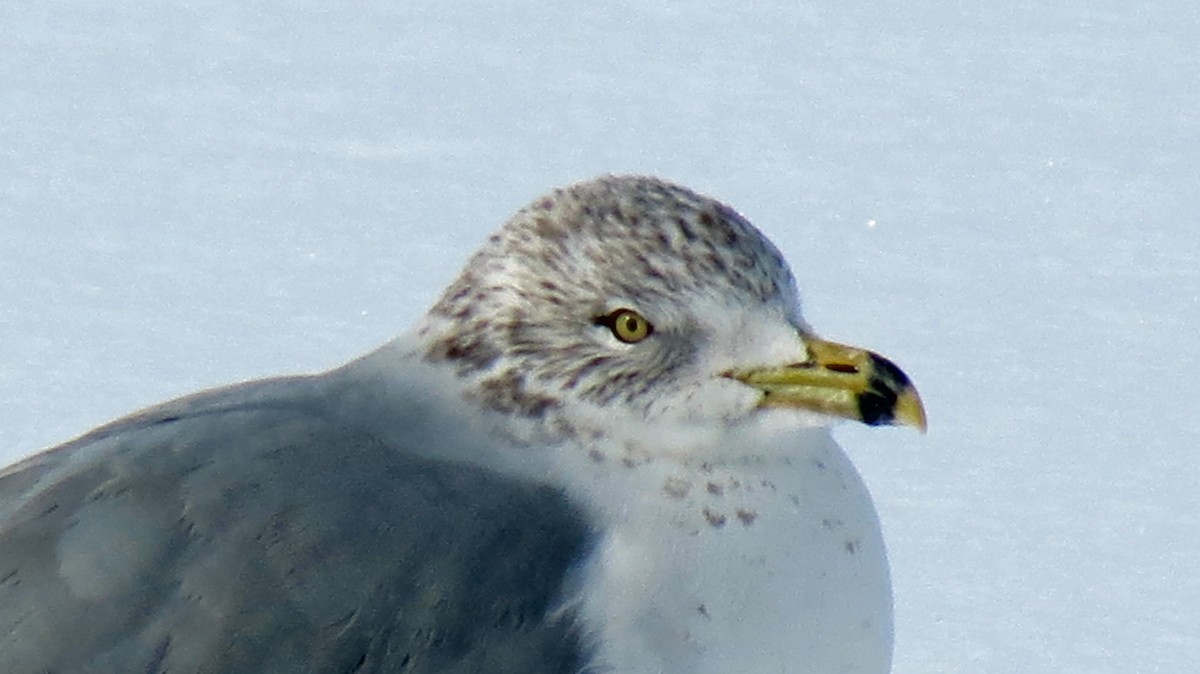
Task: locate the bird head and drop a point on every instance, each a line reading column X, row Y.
column 633, row 297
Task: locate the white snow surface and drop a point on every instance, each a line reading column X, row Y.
column 999, row 196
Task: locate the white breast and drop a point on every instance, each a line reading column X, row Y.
column 747, row 565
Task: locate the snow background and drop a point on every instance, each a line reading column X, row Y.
column 1001, row 198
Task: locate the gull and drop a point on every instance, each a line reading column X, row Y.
column 605, row 448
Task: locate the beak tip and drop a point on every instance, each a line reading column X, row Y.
column 910, row 411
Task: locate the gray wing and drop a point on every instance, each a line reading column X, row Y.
column 246, row 530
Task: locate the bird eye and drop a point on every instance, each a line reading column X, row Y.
column 627, row 325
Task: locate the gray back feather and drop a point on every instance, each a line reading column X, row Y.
column 220, row 534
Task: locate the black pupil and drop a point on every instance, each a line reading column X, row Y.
column 631, row 323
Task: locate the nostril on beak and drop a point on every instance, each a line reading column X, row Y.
column 844, row 368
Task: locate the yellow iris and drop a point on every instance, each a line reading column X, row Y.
column 628, row 325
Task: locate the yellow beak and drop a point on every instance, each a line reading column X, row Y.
column 842, row 381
